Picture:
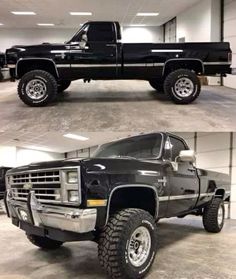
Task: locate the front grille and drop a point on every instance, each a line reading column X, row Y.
column 45, row 184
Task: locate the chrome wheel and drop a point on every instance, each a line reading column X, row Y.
column 36, row 89
column 220, row 216
column 139, row 246
column 184, row 87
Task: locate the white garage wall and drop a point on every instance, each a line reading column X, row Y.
column 152, row 34
column 15, row 156
column 10, row 37
column 27, row 156
column 213, row 151
column 195, row 23
column 7, row 156
column 230, row 36
column 201, row 23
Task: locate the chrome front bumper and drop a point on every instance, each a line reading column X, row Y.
column 58, row 217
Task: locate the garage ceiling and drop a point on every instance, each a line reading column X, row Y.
column 55, row 142
column 57, row 11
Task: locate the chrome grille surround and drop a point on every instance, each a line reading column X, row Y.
column 49, row 185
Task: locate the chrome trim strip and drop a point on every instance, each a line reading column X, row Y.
column 216, row 63
column 183, row 197
column 63, row 65
column 39, row 170
column 92, row 65
column 144, row 65
column 167, row 50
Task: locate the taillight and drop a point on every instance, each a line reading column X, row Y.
column 230, row 56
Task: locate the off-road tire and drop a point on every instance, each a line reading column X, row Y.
column 44, row 242
column 157, row 85
column 114, row 242
column 210, row 216
column 172, row 79
column 46, row 78
column 63, row 85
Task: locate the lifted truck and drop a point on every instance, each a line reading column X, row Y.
column 115, row 198
column 96, row 53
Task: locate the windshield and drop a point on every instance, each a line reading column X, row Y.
column 141, row 147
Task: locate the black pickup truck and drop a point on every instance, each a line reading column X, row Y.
column 96, row 52
column 116, row 198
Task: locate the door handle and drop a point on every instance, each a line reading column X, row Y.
column 111, row 45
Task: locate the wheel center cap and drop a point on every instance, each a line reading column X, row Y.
column 136, row 245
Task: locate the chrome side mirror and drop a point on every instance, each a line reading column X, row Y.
column 187, row 156
column 184, row 156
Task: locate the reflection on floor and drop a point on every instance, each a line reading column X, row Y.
column 119, row 106
column 185, row 251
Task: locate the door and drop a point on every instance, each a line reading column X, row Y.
column 98, row 57
column 183, row 183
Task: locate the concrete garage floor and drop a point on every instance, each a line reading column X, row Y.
column 185, row 251
column 119, row 106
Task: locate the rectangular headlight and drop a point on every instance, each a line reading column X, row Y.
column 72, row 177
column 73, row 196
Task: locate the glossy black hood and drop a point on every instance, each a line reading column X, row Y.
column 95, row 165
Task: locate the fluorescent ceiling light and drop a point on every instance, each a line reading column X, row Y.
column 81, row 13
column 137, row 25
column 39, row 148
column 23, row 13
column 1, row 24
column 147, row 14
column 75, row 137
column 45, row 24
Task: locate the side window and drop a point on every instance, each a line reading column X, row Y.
column 78, row 37
column 176, row 146
column 103, row 32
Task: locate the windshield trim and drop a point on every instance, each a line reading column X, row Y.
column 154, row 158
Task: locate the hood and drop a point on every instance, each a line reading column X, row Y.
column 43, row 165
column 43, row 45
column 97, row 165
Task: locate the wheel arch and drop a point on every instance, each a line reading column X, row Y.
column 185, row 63
column 145, row 190
column 220, row 193
column 25, row 65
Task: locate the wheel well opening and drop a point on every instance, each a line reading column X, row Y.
column 192, row 65
column 30, row 65
column 220, row 193
column 133, row 197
